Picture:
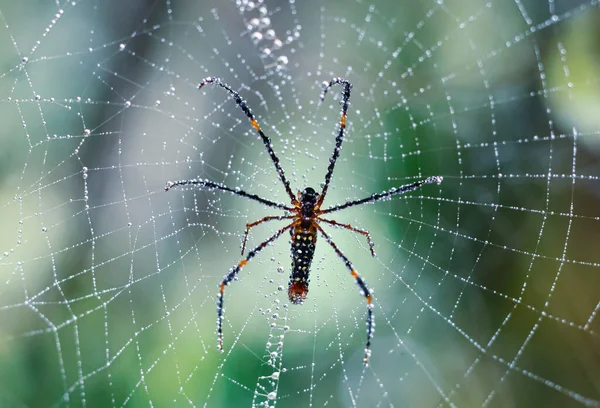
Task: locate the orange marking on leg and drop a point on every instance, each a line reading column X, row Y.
column 354, row 274
column 222, row 288
column 343, row 121
column 242, row 263
column 255, row 124
column 369, row 299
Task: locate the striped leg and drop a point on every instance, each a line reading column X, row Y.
column 211, row 185
column 340, row 137
column 231, row 276
column 386, row 194
column 357, row 230
column 265, row 219
column 364, row 290
column 265, row 139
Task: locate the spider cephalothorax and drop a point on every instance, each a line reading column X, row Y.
column 305, row 215
column 308, row 201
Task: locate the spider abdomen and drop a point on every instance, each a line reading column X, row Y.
column 304, row 238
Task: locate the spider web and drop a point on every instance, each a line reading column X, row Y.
column 486, row 287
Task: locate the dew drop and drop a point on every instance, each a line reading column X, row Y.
column 256, row 37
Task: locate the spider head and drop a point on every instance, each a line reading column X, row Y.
column 309, row 195
column 308, row 201
column 297, row 292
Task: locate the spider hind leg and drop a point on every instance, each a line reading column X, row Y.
column 233, row 274
column 364, row 291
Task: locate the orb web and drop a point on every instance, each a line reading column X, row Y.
column 484, row 287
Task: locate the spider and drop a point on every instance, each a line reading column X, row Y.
column 305, row 215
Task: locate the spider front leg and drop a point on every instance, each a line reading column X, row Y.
column 265, row 219
column 231, row 276
column 265, row 139
column 364, row 290
column 340, row 137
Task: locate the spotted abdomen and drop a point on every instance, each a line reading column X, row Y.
column 304, row 239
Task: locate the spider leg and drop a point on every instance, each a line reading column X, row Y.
column 364, row 290
column 266, row 141
column 386, row 194
column 231, row 276
column 265, row 219
column 351, row 228
column 210, row 185
column 340, row 137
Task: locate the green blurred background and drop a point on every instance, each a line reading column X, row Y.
column 486, row 287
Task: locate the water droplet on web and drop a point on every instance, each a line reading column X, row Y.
column 265, row 22
column 282, row 60
column 270, row 34
column 256, row 37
